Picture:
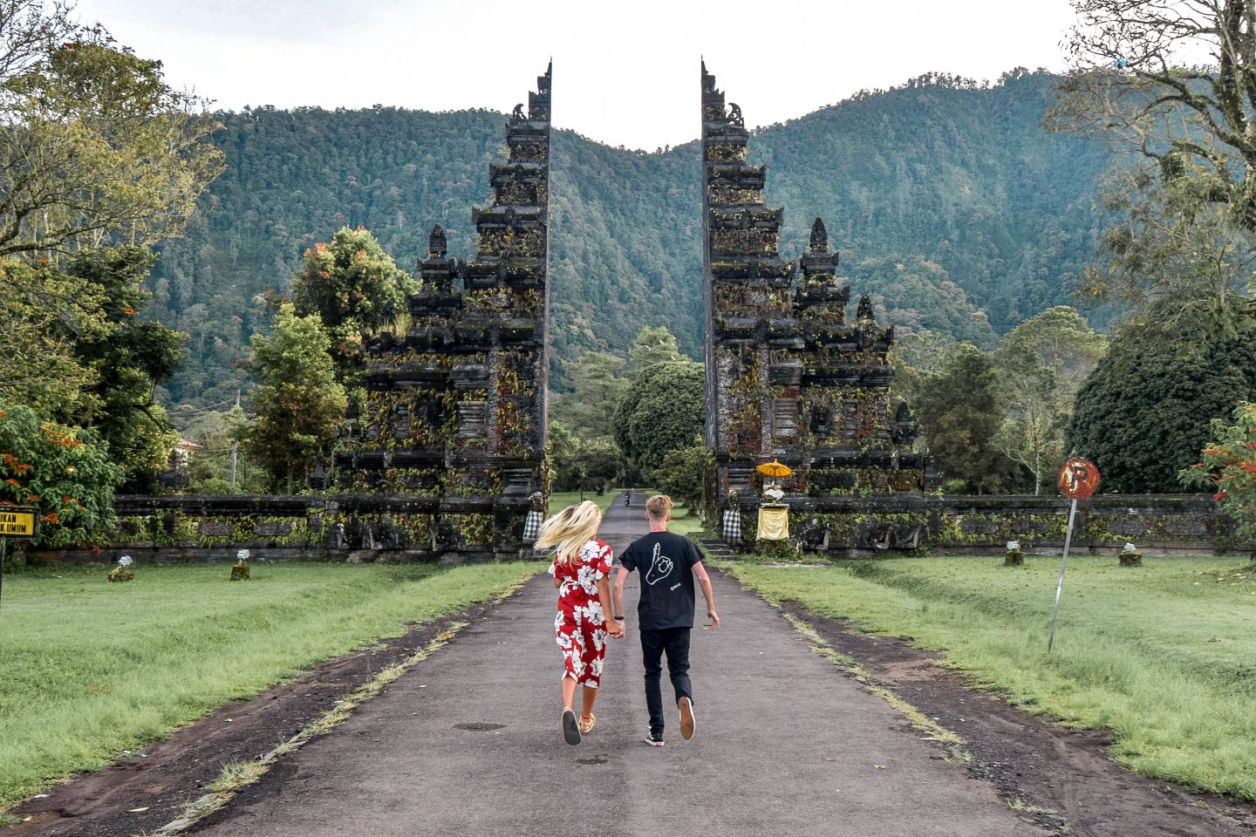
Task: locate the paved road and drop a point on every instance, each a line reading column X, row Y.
column 469, row 741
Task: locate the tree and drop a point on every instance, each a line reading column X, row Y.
column 581, row 463
column 44, row 313
column 663, row 409
column 1173, row 79
column 212, row 463
column 354, row 287
column 1040, row 365
column 75, row 349
column 130, row 357
column 299, row 404
column 565, row 462
column 1143, row 414
column 959, row 413
column 1171, row 239
column 915, row 357
column 588, row 408
column 94, row 147
column 653, row 344
column 63, row 471
column 684, row 475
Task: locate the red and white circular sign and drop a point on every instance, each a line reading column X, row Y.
column 1079, row 478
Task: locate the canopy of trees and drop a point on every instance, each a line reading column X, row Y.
column 95, row 148
column 663, row 409
column 1144, row 414
column 299, row 404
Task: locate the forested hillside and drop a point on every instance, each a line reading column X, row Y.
column 946, row 200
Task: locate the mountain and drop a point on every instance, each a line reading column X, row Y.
column 947, row 200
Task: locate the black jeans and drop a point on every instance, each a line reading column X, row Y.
column 675, row 642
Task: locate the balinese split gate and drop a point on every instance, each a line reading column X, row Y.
column 788, row 378
column 446, row 456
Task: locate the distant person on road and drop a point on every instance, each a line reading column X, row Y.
column 581, row 570
column 668, row 564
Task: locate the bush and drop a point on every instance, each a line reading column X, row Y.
column 63, row 471
column 1229, row 466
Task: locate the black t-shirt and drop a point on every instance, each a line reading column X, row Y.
column 665, row 562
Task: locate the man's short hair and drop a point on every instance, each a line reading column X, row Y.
column 658, row 506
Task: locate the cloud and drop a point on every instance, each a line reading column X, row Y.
column 624, row 74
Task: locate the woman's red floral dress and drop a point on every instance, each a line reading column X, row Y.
column 580, row 626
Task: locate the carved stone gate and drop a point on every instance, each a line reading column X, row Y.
column 446, row 456
column 788, row 378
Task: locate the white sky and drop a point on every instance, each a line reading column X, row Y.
column 624, row 73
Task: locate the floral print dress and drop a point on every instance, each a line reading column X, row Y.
column 580, row 626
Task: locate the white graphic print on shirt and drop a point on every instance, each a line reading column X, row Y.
column 660, row 567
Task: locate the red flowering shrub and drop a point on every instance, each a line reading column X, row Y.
column 63, row 471
column 1228, row 467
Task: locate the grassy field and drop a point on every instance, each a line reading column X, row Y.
column 92, row 668
column 1163, row 655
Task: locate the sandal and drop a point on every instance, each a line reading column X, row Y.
column 571, row 732
column 587, row 723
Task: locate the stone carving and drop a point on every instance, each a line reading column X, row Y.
column 436, row 244
column 819, row 236
column 865, row 309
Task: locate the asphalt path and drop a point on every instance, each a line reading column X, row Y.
column 470, row 741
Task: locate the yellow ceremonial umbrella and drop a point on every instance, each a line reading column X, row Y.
column 774, row 469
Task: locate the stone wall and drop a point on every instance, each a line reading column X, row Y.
column 197, row 528
column 853, row 526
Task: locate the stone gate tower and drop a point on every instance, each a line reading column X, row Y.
column 788, row 378
column 446, row 456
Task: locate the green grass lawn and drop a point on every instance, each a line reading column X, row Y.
column 92, row 668
column 1163, row 655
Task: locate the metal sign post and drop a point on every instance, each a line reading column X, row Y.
column 1059, row 587
column 1078, row 479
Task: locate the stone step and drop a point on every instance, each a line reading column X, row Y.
column 716, row 548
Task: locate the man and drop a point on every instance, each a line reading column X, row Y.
column 667, row 564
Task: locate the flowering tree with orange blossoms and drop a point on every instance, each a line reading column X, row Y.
column 62, row 471
column 1228, row 466
column 354, row 287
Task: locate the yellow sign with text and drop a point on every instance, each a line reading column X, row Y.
column 17, row 522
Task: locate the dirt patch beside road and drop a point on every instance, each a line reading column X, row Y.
column 146, row 790
column 1063, row 778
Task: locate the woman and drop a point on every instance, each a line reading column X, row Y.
column 581, row 566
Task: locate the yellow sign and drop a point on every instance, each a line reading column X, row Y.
column 17, row 522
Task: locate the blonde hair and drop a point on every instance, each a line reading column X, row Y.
column 569, row 530
column 658, row 506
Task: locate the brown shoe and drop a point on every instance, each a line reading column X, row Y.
column 686, row 718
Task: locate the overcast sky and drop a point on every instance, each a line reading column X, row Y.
column 624, row 73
